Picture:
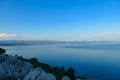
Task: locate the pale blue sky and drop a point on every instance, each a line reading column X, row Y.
column 60, row 19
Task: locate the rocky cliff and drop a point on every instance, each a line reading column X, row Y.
column 12, row 68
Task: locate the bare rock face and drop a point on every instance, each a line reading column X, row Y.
column 33, row 74
column 66, row 78
column 39, row 74
column 22, row 68
column 50, row 77
column 7, row 72
column 8, row 58
column 13, row 69
column 11, row 59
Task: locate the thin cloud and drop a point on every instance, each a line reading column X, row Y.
column 3, row 35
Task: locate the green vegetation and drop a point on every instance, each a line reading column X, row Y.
column 2, row 51
column 59, row 72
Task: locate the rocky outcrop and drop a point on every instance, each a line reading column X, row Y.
column 11, row 68
column 65, row 78
column 39, row 74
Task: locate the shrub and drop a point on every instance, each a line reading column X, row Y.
column 2, row 51
column 71, row 73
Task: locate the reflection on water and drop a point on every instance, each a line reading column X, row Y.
column 92, row 61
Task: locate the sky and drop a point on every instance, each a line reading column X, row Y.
column 60, row 20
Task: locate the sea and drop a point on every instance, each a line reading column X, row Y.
column 95, row 61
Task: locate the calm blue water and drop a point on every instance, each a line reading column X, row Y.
column 93, row 61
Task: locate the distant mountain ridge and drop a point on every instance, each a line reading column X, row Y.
column 46, row 42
